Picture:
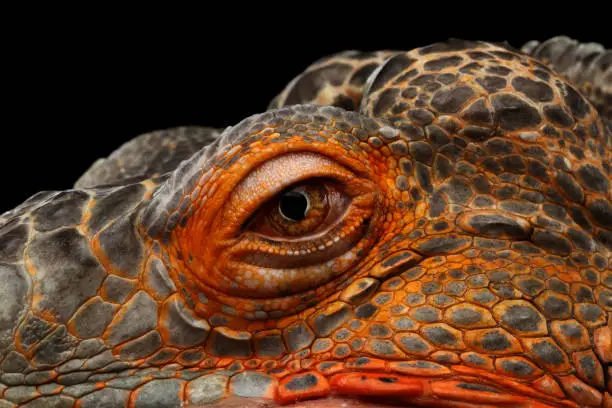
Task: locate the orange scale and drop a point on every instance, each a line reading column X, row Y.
column 209, row 362
column 379, row 385
column 596, row 375
column 324, row 356
column 551, row 269
column 549, row 386
column 203, row 309
column 269, row 365
column 366, row 363
column 286, row 321
column 407, row 219
column 602, row 337
column 330, row 367
column 411, row 226
column 519, row 269
column 485, row 364
column 490, row 265
column 256, row 326
column 412, row 287
column 448, row 357
column 499, row 366
column 456, row 258
column 252, row 364
column 294, row 366
column 520, row 388
column 279, row 373
column 382, row 316
column 473, row 392
column 581, row 392
column 453, row 265
column 538, row 262
column 385, row 151
column 309, row 312
column 569, row 276
column 98, row 386
column 421, row 209
column 224, row 362
column 438, row 270
column 419, row 368
column 301, row 387
column 437, row 403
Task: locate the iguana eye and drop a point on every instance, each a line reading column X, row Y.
column 301, row 209
column 293, row 223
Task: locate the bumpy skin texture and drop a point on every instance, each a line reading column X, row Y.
column 471, row 268
column 336, row 80
column 588, row 66
column 147, row 156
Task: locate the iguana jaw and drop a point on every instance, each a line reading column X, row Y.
column 463, row 387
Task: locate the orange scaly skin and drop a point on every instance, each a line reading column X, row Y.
column 463, row 258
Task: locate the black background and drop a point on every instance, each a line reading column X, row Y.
column 75, row 91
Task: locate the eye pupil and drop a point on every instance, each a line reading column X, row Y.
column 293, row 205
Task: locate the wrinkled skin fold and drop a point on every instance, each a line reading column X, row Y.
column 422, row 228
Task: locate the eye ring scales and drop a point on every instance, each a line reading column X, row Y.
column 238, row 251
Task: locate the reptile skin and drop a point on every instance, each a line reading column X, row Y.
column 456, row 250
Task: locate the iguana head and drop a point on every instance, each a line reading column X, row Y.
column 446, row 245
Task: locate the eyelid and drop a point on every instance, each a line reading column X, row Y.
column 272, row 177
